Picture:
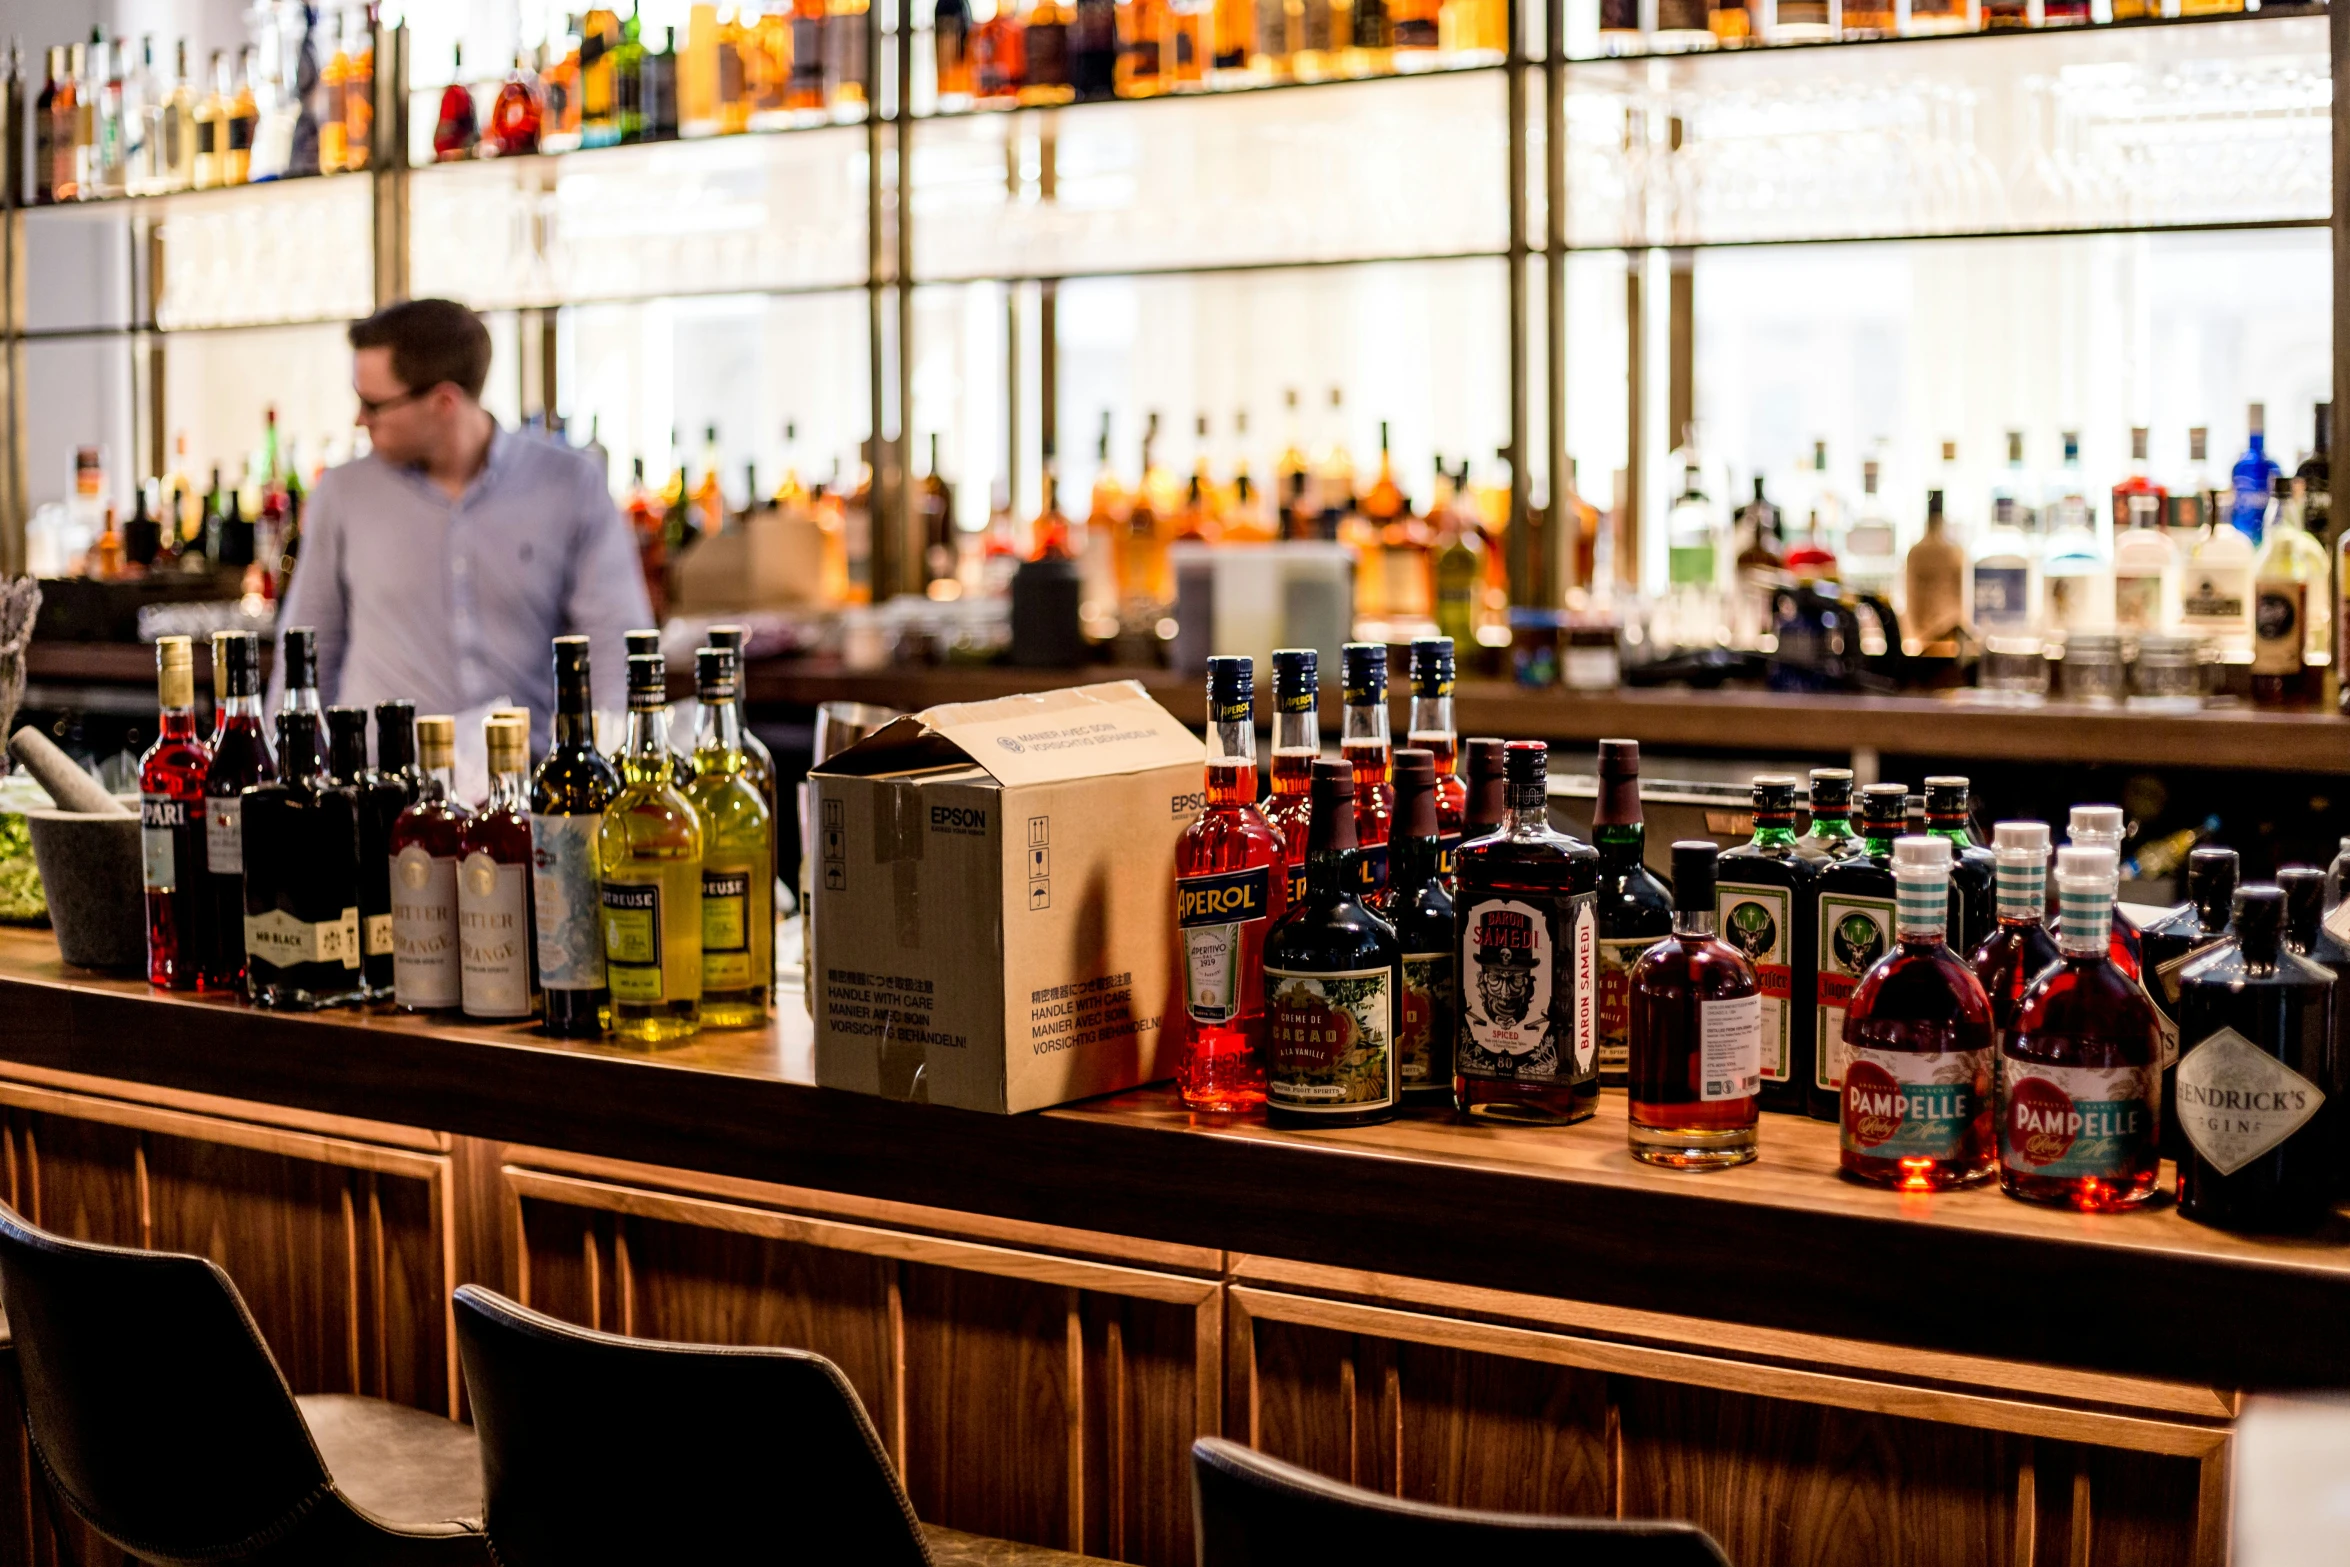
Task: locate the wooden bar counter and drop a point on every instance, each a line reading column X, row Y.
column 1042, row 1312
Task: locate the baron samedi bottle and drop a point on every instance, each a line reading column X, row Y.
column 1696, row 1034
column 241, row 758
column 1333, row 977
column 171, row 826
column 493, row 883
column 2019, row 947
column 1419, row 905
column 427, row 840
column 649, row 858
column 1231, row 884
column 568, row 798
column 301, row 880
column 738, row 851
column 1528, row 939
column 1635, row 909
column 1766, row 905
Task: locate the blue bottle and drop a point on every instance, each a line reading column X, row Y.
column 2253, row 474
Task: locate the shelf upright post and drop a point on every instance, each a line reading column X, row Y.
column 12, row 488
column 1554, row 318
column 387, row 163
column 883, row 565
column 902, row 165
column 2338, row 56
column 1521, row 553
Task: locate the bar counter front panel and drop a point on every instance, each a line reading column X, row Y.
column 1041, row 1312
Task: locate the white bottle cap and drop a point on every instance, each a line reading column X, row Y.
column 2020, row 840
column 2086, row 863
column 1921, row 859
column 2096, row 824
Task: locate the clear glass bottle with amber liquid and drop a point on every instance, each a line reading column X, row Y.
column 2019, row 948
column 171, row 827
column 385, row 790
column 568, row 797
column 738, row 853
column 301, row 880
column 428, row 839
column 1635, row 906
column 493, row 884
column 1419, row 904
column 1430, row 730
column 1766, row 904
column 241, row 758
column 1527, row 1045
column 1297, row 745
column 1855, row 929
column 1333, row 982
column 649, row 860
column 1696, row 1033
column 1231, row 886
column 2080, row 1070
column 1366, row 745
column 1918, row 1050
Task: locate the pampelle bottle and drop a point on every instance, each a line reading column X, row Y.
column 1365, row 743
column 1697, row 1033
column 2257, row 1146
column 171, row 827
column 1919, row 1053
column 1635, row 908
column 346, row 755
column 1528, row 944
column 568, row 798
column 1431, row 730
column 738, row 856
column 1766, row 904
column 493, row 883
column 240, row 758
column 1333, row 978
column 2080, row 1071
column 301, row 880
column 1231, row 884
column 649, row 859
column 1488, row 799
column 1297, row 743
column 2019, row 948
column 1419, row 904
column 1855, row 929
column 427, row 841
column 1973, row 870
column 2103, row 827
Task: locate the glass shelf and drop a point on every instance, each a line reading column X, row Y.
column 1439, row 66
column 167, row 200
column 1582, row 44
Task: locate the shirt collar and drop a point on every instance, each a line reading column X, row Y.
column 504, row 445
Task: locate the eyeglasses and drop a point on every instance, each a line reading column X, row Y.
column 370, row 407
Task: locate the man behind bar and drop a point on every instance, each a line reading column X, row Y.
column 438, row 566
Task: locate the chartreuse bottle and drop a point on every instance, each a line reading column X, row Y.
column 738, row 855
column 649, row 864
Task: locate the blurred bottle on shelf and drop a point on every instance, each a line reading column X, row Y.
column 2253, row 475
column 515, row 118
column 1935, row 583
column 457, row 130
column 2292, row 608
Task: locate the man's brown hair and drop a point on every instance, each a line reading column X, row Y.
column 432, row 340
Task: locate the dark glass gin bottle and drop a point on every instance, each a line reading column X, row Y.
column 389, row 788
column 2019, row 947
column 1231, row 885
column 1333, row 982
column 1766, row 905
column 1973, row 872
column 301, row 880
column 1430, row 730
column 1419, row 904
column 1635, row 907
column 2310, row 934
column 1528, row 1042
column 2169, row 945
column 1486, row 802
column 1854, row 930
column 573, row 785
column 171, row 827
column 1919, row 1055
column 1297, row 745
column 2080, row 1070
column 1831, row 836
column 241, row 758
column 1366, row 745
column 1697, row 1034
column 2258, row 1143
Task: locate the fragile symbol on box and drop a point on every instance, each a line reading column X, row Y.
column 836, row 848
column 1039, row 864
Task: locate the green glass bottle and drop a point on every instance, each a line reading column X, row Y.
column 649, row 866
column 738, row 856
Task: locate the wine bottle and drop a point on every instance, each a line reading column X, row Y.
column 1419, row 904
column 568, row 797
column 301, row 852
column 494, row 924
column 241, row 758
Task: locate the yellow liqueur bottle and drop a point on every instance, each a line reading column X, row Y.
column 738, row 855
column 649, row 864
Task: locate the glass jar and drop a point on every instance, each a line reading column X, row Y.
column 2168, row 674
column 2093, row 670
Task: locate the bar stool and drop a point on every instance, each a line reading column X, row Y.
column 597, row 1448
column 1252, row 1511
column 159, row 1416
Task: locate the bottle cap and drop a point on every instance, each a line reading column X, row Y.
column 642, row 642
column 1525, row 763
column 236, row 664
column 1489, row 798
column 395, row 735
column 1694, row 867
column 1774, row 794
column 1619, row 758
column 571, row 658
column 1415, row 793
column 1946, row 796
column 1296, row 678
column 297, row 738
column 648, row 680
column 1232, row 690
column 1831, row 789
column 436, row 741
column 509, row 745
column 714, row 673
column 346, row 742
column 1884, row 805
column 2086, row 863
column 1366, row 672
column 1432, row 666
column 2258, row 914
column 2020, row 841
column 175, row 672
column 1332, row 796
column 2304, row 887
column 2211, row 876
column 301, row 656
column 1920, row 858
column 732, row 637
column 2095, row 824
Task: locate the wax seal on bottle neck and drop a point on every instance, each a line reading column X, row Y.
column 1619, row 784
column 1333, row 796
column 1415, row 793
column 1696, row 863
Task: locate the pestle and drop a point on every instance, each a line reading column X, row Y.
column 72, row 788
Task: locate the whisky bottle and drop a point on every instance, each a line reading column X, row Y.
column 1231, row 886
column 1830, row 836
column 1635, row 908
column 1919, row 1056
column 1333, row 981
column 301, row 851
column 1855, row 929
column 2257, row 1145
column 379, row 808
column 1528, row 1037
column 426, row 843
column 1486, row 793
column 2080, row 1068
column 171, row 827
column 649, row 861
column 1297, row 744
column 299, row 648
column 1767, row 907
column 568, row 797
column 1419, row 904
column 1365, row 743
column 494, row 923
column 681, row 766
column 2019, row 947
column 1696, row 1032
column 240, row 759
column 1973, row 871
column 738, row 856
column 1430, row 729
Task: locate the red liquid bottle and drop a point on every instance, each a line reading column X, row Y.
column 2019, row 947
column 1430, row 730
column 171, row 827
column 1369, row 750
column 1231, row 884
column 495, row 978
column 2102, row 827
column 241, row 757
column 1918, row 1047
column 459, row 127
column 1696, row 1034
column 1297, row 741
column 427, row 842
column 515, row 117
column 2080, row 1073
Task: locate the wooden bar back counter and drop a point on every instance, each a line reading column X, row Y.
column 1042, row 1312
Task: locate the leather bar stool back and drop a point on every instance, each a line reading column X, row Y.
column 602, row 1449
column 1254, row 1511
column 161, row 1419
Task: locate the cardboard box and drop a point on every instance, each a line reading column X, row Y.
column 770, row 560
column 995, row 899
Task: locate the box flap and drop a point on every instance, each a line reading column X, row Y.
column 1078, row 732
column 902, row 745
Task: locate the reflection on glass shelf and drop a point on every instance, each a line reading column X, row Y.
column 2078, row 129
column 301, row 251
column 735, row 213
column 1392, row 169
column 1734, row 26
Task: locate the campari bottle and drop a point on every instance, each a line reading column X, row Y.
column 2080, row 1071
column 2019, row 946
column 1697, row 1034
column 1918, row 1048
column 1431, row 730
column 1419, row 904
column 171, row 827
column 1297, row 744
column 1767, row 906
column 1366, row 745
column 1231, row 884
